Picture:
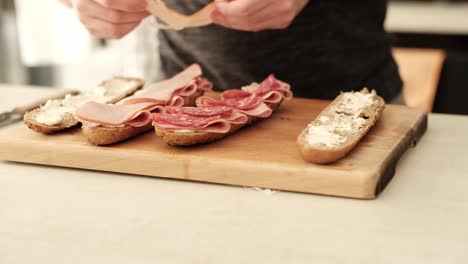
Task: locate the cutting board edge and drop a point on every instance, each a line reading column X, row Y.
column 409, row 140
column 270, row 176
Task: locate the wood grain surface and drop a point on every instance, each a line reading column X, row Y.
column 263, row 155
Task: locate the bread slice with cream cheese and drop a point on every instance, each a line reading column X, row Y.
column 59, row 114
column 340, row 126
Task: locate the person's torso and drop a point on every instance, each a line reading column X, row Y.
column 332, row 46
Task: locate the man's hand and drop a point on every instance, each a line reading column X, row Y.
column 111, row 19
column 256, row 15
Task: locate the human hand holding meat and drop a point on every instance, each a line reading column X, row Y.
column 111, row 19
column 257, row 15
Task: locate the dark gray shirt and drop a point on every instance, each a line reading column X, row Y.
column 332, row 46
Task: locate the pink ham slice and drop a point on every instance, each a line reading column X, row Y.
column 135, row 111
column 174, row 122
column 203, row 84
column 114, row 115
column 176, row 101
column 183, row 83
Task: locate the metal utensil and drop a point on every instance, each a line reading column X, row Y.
column 17, row 113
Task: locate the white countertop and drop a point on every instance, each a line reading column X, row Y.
column 58, row 215
column 427, row 17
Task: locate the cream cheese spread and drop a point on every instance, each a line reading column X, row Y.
column 55, row 111
column 332, row 130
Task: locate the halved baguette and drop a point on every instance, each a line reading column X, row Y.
column 101, row 135
column 340, row 126
column 188, row 138
column 68, row 119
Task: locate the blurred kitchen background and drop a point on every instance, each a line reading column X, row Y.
column 42, row 43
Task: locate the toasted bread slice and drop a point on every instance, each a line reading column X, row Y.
column 30, row 120
column 188, row 138
column 102, row 135
column 340, row 126
column 107, row 89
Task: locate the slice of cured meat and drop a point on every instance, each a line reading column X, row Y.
column 200, row 111
column 245, row 105
column 114, row 115
column 132, row 110
column 174, row 122
column 183, row 83
column 225, row 112
column 271, row 90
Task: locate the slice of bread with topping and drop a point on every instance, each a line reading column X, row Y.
column 340, row 126
column 193, row 137
column 102, row 135
column 59, row 114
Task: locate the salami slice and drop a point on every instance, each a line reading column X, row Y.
column 271, row 90
column 201, row 111
column 214, row 124
column 240, row 99
column 184, row 120
column 260, row 109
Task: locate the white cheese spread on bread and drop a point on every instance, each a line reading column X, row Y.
column 54, row 111
column 342, row 120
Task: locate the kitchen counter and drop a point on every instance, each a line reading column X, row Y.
column 58, row 215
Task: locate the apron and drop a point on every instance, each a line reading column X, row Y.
column 331, row 46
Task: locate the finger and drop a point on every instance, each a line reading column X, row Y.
column 273, row 17
column 124, row 5
column 222, row 20
column 264, row 17
column 91, row 8
column 277, row 16
column 108, row 30
column 240, row 8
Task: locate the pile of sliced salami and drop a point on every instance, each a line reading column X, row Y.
column 235, row 108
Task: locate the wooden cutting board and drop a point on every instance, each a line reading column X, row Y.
column 263, row 155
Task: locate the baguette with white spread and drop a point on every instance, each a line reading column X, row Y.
column 105, row 124
column 59, row 114
column 340, row 126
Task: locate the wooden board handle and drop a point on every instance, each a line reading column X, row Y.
column 21, row 110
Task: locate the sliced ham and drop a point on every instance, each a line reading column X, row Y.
column 135, row 110
column 114, row 115
column 140, row 120
column 176, row 101
column 162, row 92
column 204, row 85
column 187, row 90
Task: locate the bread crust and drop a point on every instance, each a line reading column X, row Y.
column 101, row 135
column 70, row 120
column 324, row 154
column 175, row 138
column 110, row 135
